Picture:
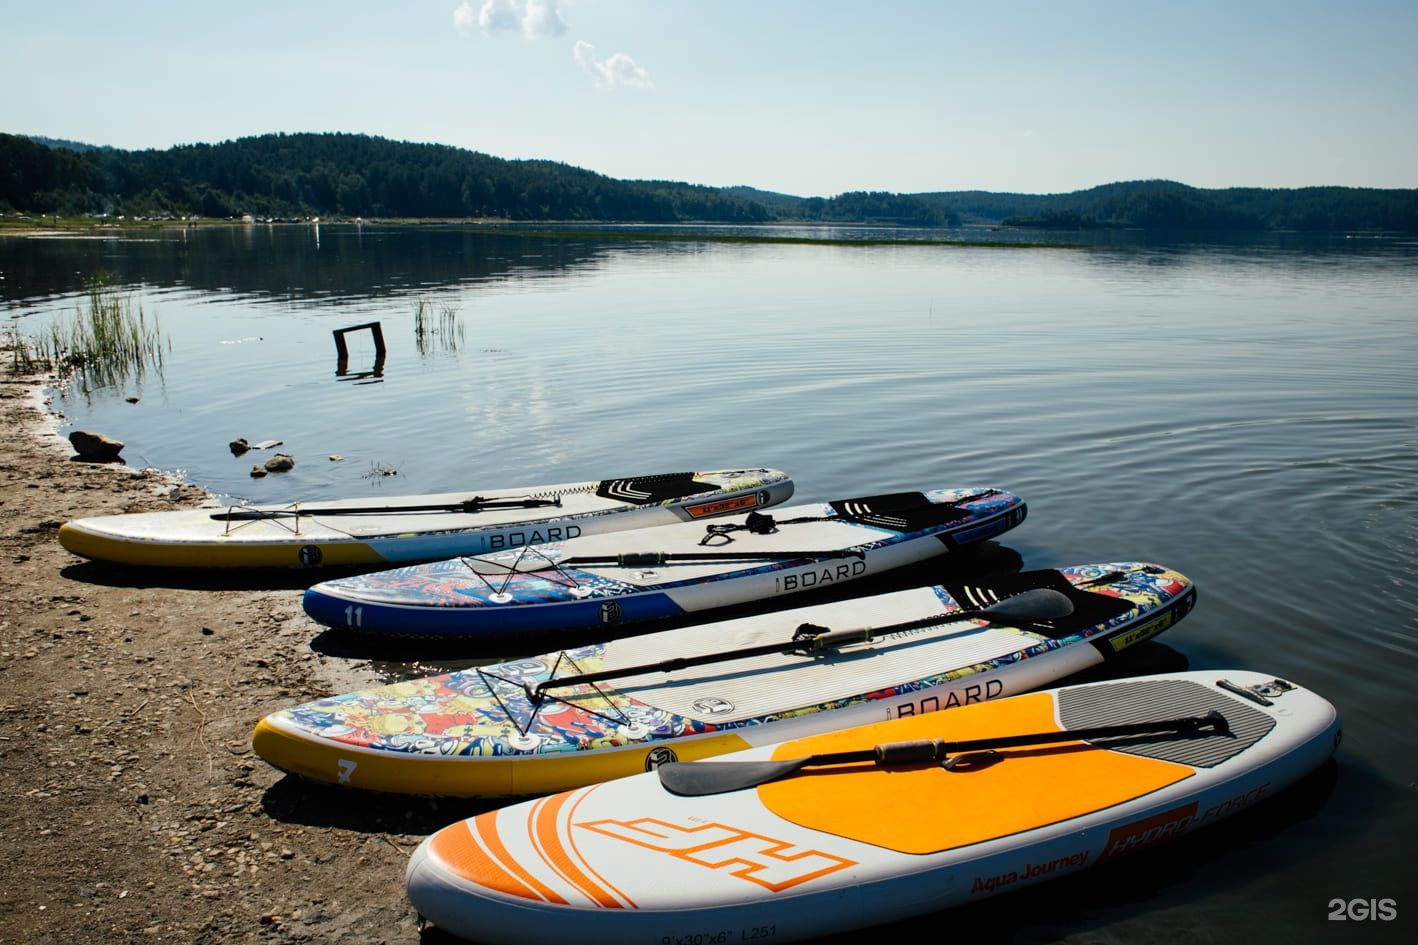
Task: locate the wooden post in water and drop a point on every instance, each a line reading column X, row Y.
column 342, row 352
column 375, row 329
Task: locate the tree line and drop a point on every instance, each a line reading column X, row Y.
column 361, row 176
column 1161, row 204
column 337, row 175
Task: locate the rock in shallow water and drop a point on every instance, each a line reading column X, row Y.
column 95, row 447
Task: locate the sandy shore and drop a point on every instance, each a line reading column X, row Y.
column 136, row 809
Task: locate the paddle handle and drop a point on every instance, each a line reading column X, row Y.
column 916, row 752
column 837, row 638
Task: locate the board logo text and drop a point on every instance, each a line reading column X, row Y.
column 772, row 864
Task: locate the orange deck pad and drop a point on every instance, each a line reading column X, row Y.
column 925, row 809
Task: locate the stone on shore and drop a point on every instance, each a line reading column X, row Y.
column 95, row 447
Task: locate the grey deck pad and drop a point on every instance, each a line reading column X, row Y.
column 1151, row 700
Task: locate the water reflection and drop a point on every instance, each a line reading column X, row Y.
column 374, row 375
column 276, row 263
column 282, row 263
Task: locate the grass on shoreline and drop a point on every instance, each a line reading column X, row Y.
column 104, row 344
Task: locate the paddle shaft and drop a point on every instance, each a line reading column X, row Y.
column 632, row 559
column 468, row 505
column 825, row 641
column 1046, row 604
column 932, row 750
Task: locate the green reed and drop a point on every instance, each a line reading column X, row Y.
column 25, row 360
column 441, row 327
column 108, row 341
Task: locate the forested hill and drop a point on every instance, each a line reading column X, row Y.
column 1160, row 204
column 346, row 176
column 338, row 175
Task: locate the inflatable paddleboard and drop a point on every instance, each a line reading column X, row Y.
column 400, row 529
column 615, row 580
column 803, row 839
column 601, row 711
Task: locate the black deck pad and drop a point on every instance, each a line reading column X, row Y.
column 1145, row 700
column 898, row 511
column 656, row 489
column 1089, row 607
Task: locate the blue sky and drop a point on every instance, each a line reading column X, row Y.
column 809, row 97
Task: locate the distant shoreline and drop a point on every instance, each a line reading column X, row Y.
column 304, row 175
column 67, row 227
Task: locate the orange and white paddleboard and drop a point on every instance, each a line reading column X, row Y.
column 761, row 845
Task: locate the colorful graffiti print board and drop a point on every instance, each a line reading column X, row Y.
column 396, row 529
column 831, row 847
column 609, row 581
column 606, row 710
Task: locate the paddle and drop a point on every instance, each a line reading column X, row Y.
column 1028, row 607
column 640, row 559
column 635, row 559
column 475, row 504
column 699, row 778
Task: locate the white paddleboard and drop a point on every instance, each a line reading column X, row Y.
column 398, row 529
column 615, row 580
column 834, row 847
column 604, row 710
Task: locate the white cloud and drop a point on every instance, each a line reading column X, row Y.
column 542, row 18
column 537, row 19
column 618, row 69
column 464, row 18
column 534, row 19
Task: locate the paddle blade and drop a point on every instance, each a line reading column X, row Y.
column 1041, row 603
column 698, row 779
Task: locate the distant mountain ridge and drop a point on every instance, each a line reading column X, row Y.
column 348, row 175
column 79, row 146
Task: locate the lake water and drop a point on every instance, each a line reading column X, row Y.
column 1244, row 411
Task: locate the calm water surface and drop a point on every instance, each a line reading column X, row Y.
column 1246, row 412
